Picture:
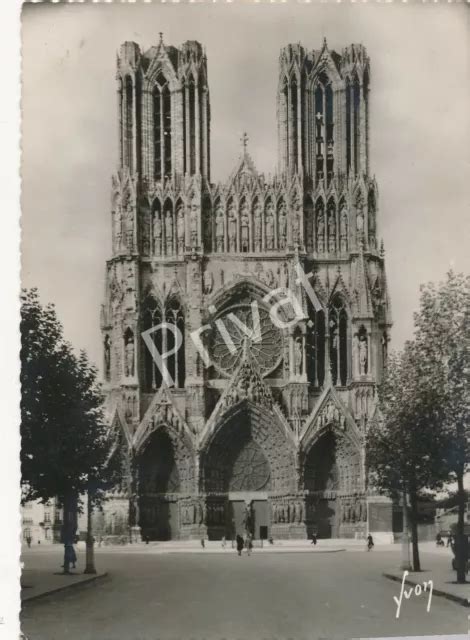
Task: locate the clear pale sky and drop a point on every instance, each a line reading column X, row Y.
column 420, row 110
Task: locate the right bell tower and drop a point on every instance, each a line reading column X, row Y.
column 323, row 113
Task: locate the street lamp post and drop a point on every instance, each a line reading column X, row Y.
column 90, row 551
column 405, row 539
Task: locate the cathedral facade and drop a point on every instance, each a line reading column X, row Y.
column 245, row 323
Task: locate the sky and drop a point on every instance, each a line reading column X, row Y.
column 419, row 135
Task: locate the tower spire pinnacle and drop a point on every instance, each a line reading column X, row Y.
column 244, row 140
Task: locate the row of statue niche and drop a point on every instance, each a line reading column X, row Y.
column 244, row 236
column 354, row 512
column 194, row 513
column 288, row 512
column 326, row 228
column 165, row 241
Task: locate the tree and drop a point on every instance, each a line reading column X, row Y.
column 403, row 445
column 65, row 446
column 442, row 338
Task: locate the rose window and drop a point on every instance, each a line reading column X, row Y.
column 267, row 352
column 250, row 470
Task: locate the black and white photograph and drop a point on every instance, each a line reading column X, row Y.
column 245, row 321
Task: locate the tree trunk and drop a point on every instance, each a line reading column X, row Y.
column 69, row 525
column 414, row 529
column 405, row 540
column 461, row 543
column 90, row 551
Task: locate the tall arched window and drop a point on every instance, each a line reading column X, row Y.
column 168, row 323
column 324, row 128
column 294, row 131
column 338, row 330
column 192, row 127
column 284, row 121
column 329, row 133
column 315, row 346
column 162, row 128
column 357, row 123
column 152, row 317
column 348, row 125
column 128, row 118
column 175, row 362
column 319, row 127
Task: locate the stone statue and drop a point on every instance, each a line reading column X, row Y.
column 219, row 228
column 129, row 228
column 269, row 227
column 331, row 230
column 363, row 355
column 298, row 356
column 157, row 234
column 343, row 229
column 321, row 232
column 118, row 225
column 275, row 513
column 257, row 226
column 208, row 282
column 169, row 233
column 193, row 224
column 180, row 229
column 130, row 357
column 232, row 229
column 300, row 512
column 245, row 229
column 293, row 512
column 283, row 276
column 282, row 226
column 107, row 356
column 359, row 222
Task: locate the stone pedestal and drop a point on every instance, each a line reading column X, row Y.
column 379, row 519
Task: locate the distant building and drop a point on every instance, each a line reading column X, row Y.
column 264, row 427
column 41, row 522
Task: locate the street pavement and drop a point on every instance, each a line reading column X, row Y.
column 220, row 596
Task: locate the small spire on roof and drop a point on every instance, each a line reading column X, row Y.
column 244, row 141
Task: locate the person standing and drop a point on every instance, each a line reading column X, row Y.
column 203, row 543
column 28, row 541
column 223, row 542
column 314, row 539
column 370, row 542
column 249, row 544
column 240, row 544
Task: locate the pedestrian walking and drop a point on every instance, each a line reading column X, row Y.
column 314, row 539
column 224, row 542
column 203, row 543
column 70, row 557
column 28, row 541
column 450, row 540
column 240, row 544
column 249, row 545
column 370, row 542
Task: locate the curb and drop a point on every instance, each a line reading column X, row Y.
column 465, row 602
column 92, row 578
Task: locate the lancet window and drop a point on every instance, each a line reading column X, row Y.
column 338, row 331
column 167, row 322
column 162, row 128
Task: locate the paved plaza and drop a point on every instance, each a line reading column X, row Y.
column 215, row 596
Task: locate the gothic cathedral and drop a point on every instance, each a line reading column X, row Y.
column 245, row 323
